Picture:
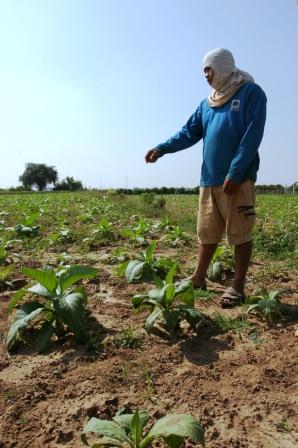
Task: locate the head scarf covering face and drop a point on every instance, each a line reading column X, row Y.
column 227, row 77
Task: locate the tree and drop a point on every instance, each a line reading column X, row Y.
column 38, row 175
column 69, row 184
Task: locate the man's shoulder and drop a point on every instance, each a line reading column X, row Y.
column 252, row 88
column 203, row 104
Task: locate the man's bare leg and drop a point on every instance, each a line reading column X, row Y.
column 242, row 258
column 206, row 252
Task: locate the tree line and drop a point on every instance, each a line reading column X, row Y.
column 40, row 176
column 261, row 189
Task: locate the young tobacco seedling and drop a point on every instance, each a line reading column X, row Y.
column 127, row 430
column 138, row 232
column 175, row 236
column 104, row 230
column 57, row 305
column 222, row 260
column 169, row 302
column 146, row 267
column 27, row 227
column 100, row 235
column 270, row 306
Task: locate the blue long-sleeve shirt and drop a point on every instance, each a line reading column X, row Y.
column 231, row 136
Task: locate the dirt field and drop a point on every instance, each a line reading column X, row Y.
column 242, row 384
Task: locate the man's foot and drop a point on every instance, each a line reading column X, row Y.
column 197, row 283
column 231, row 298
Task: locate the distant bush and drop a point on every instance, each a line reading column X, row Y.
column 158, row 191
column 68, row 184
column 151, row 200
column 148, row 198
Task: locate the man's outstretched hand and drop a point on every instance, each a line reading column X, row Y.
column 152, row 155
column 229, row 186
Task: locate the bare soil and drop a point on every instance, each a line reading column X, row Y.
column 242, row 385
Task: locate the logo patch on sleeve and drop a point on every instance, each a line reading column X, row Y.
column 235, row 105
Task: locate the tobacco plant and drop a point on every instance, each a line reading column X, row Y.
column 175, row 236
column 127, row 430
column 104, row 230
column 137, row 233
column 28, row 228
column 56, row 309
column 146, row 267
column 101, row 234
column 170, row 303
column 270, row 306
column 222, row 261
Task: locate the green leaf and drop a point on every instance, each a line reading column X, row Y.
column 39, row 290
column 127, row 233
column 125, row 420
column 170, row 274
column 174, row 441
column 157, row 312
column 166, row 264
column 104, row 441
column 2, row 253
column 82, row 291
column 46, row 278
column 122, row 268
column 186, row 295
column 170, row 290
column 192, row 316
column 172, row 318
column 214, row 270
column 148, row 273
column 219, row 251
column 27, row 313
column 136, row 429
column 183, row 286
column 134, row 270
column 180, row 425
column 31, row 219
column 44, row 335
column 276, row 294
column 74, row 274
column 154, row 293
column 104, row 223
column 109, row 442
column 106, row 428
column 150, row 250
column 70, row 310
column 252, row 307
column 158, row 282
column 138, row 299
column 18, row 295
column 268, row 306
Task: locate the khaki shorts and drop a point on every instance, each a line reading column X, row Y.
column 233, row 214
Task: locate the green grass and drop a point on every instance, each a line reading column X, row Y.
column 275, row 234
column 226, row 323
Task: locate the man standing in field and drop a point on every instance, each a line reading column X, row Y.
column 231, row 123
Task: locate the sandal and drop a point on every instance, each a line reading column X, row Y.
column 231, row 298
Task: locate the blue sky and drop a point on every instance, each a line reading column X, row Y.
column 90, row 85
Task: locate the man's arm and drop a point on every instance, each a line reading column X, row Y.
column 248, row 147
column 190, row 134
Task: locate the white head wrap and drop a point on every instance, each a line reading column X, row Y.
column 227, row 77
